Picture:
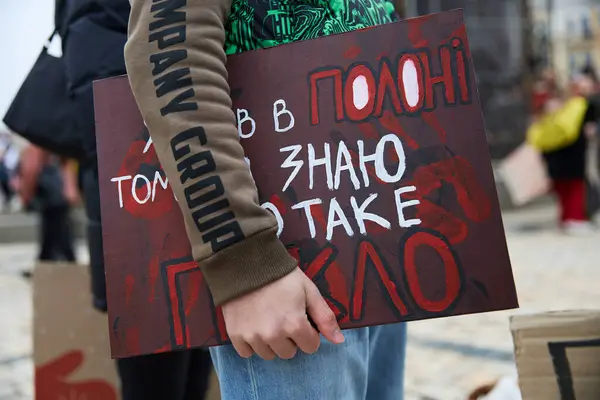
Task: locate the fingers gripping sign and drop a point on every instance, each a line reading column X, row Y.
column 275, row 321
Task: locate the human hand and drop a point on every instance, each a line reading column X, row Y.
column 72, row 196
column 274, row 320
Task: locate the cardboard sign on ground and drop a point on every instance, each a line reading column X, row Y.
column 398, row 221
column 525, row 175
column 71, row 345
column 558, row 355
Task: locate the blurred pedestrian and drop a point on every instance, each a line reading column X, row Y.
column 544, row 89
column 9, row 157
column 593, row 148
column 567, row 164
column 45, row 187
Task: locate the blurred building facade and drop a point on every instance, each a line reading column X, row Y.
column 511, row 42
column 567, row 35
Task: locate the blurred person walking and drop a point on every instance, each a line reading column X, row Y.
column 593, row 149
column 47, row 186
column 561, row 133
column 544, row 89
column 9, row 158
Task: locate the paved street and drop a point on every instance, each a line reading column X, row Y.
column 446, row 357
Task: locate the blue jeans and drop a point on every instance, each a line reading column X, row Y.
column 369, row 365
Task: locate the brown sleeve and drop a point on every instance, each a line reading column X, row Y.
column 176, row 65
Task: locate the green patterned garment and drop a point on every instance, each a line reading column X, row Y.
column 256, row 24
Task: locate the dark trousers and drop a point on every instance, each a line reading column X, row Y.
column 56, row 235
column 171, row 376
column 7, row 192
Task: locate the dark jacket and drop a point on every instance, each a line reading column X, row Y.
column 570, row 162
column 93, row 35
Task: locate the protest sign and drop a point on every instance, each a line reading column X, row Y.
column 71, row 346
column 370, row 150
column 557, row 354
column 524, row 174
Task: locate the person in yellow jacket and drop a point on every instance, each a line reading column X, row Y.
column 561, row 136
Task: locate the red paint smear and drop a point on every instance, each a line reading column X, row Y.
column 314, row 102
column 53, row 380
column 172, row 248
column 461, row 175
column 278, row 203
column 371, row 172
column 432, row 120
column 295, row 253
column 369, row 131
column 195, row 280
column 63, row 365
column 438, row 219
column 164, row 199
column 174, row 300
column 452, row 274
column 391, row 153
column 380, row 56
column 333, row 275
column 315, row 266
column 460, row 32
column 352, row 52
column 375, row 229
column 164, row 349
column 389, row 122
column 415, row 35
column 132, row 340
column 389, row 285
column 458, row 172
column 335, row 310
column 129, row 282
column 153, row 269
column 187, row 336
column 172, row 272
column 337, row 286
column 370, row 167
column 319, row 215
column 221, row 324
column 367, row 252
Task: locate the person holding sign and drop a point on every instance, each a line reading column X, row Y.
column 273, row 312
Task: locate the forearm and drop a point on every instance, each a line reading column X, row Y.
column 30, row 169
column 176, row 65
column 69, row 174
